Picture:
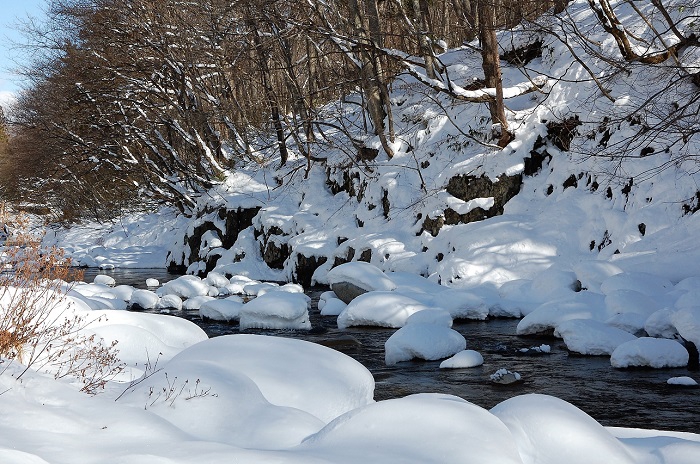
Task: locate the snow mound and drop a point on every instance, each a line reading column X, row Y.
column 384, row 309
column 293, row 373
column 463, row 359
column 582, row 305
column 276, row 310
column 423, row 428
column 227, row 310
column 548, row 430
column 361, row 274
column 186, row 286
column 145, row 299
column 650, row 352
column 431, row 316
column 104, row 279
column 683, row 380
column 423, row 341
column 591, row 337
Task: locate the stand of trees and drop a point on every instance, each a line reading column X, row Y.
column 157, row 100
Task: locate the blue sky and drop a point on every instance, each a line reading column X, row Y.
column 10, row 12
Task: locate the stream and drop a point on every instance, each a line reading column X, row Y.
column 614, row 397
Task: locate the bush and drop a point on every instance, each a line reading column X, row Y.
column 38, row 326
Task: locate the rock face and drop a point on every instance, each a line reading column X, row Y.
column 223, row 225
column 467, row 188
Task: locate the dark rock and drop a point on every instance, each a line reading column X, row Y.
column 346, row 291
column 305, row 268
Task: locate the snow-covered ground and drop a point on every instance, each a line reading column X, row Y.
column 609, row 265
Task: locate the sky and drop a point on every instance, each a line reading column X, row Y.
column 10, row 12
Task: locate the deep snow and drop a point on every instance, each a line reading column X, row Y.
column 573, row 260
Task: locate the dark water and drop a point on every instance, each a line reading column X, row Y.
column 626, row 398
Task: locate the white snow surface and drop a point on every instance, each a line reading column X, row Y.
column 276, row 310
column 311, row 404
column 650, row 352
column 361, row 274
column 463, row 359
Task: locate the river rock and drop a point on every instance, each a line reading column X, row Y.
column 505, row 377
column 350, row 280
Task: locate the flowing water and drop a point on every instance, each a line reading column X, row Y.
column 615, row 397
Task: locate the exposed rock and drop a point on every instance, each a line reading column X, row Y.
column 347, row 291
column 505, row 377
column 305, row 268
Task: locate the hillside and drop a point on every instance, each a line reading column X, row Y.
column 586, row 179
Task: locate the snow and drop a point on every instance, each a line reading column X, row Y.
column 572, row 261
column 585, row 336
column 276, row 310
column 463, row 359
column 361, row 274
column 651, row 352
column 227, row 310
column 424, row 341
column 548, row 430
column 683, row 380
column 380, row 308
column 104, row 280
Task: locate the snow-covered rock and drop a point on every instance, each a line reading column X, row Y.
column 186, row 286
column 424, row 341
column 586, row 336
column 548, row 430
column 351, row 280
column 145, row 299
column 463, row 359
column 104, row 279
column 228, row 309
column 276, row 310
column 650, row 352
column 379, row 308
column 431, row 316
column 684, row 381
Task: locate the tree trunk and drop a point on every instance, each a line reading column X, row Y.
column 492, row 68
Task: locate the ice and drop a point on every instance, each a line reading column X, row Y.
column 379, row 308
column 276, row 310
column 424, row 341
column 591, row 337
column 463, row 359
column 651, row 352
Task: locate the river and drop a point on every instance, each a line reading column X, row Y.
column 614, row 397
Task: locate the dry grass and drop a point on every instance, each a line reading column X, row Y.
column 38, row 327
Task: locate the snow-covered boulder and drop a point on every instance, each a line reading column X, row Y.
column 144, row 299
column 687, row 322
column 351, row 280
column 152, row 282
column 196, row 302
column 228, row 309
column 431, row 316
column 186, row 286
column 276, row 310
column 216, row 280
column 586, row 336
column 330, row 305
column 660, row 324
column 289, row 372
column 683, row 381
column 123, row 292
column 104, row 279
column 423, row 428
column 169, row 302
column 548, row 430
column 424, row 341
column 463, row 359
column 650, row 352
column 582, row 305
column 384, row 309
